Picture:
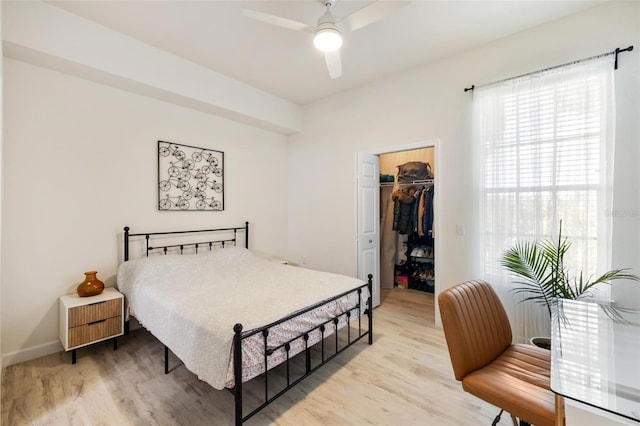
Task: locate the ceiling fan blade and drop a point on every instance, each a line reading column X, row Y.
column 334, row 64
column 277, row 20
column 372, row 13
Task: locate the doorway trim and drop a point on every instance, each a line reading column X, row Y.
column 435, row 144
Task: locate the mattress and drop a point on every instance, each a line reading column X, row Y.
column 191, row 303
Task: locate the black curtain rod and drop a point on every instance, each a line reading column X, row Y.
column 615, row 66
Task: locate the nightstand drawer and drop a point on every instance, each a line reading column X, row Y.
column 93, row 312
column 93, row 331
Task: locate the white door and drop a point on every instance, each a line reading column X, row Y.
column 368, row 222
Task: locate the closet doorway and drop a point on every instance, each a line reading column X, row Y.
column 408, row 256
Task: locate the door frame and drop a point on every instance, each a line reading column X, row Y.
column 435, row 144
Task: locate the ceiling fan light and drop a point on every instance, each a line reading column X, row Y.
column 328, row 39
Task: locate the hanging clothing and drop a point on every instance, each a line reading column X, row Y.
column 421, row 213
column 414, row 212
column 427, row 217
column 388, row 244
column 403, row 204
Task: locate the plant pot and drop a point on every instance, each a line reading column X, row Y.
column 541, row 342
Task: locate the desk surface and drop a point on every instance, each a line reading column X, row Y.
column 595, row 356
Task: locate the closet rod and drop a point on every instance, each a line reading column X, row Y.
column 613, row 52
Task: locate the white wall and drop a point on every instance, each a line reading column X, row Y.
column 80, row 162
column 1, row 155
column 626, row 203
column 428, row 103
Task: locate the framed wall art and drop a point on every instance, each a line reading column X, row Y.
column 190, row 178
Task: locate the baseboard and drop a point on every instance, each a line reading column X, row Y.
column 31, row 353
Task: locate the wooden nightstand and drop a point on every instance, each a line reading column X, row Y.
column 88, row 320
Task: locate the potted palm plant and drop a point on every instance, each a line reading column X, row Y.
column 540, row 272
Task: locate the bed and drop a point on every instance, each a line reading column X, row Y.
column 231, row 316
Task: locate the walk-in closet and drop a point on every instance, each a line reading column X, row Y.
column 407, row 197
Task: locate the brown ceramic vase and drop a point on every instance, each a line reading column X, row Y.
column 91, row 286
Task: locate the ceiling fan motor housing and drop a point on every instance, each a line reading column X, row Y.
column 328, row 37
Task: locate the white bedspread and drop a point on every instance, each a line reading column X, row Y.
column 191, row 302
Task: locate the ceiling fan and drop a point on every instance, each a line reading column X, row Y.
column 328, row 38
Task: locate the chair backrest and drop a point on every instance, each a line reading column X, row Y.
column 475, row 325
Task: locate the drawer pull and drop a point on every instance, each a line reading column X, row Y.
column 96, row 303
column 96, row 322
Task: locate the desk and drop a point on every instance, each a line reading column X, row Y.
column 595, row 357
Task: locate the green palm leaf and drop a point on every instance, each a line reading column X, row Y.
column 540, row 274
column 526, row 261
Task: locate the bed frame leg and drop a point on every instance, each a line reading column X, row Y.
column 370, row 307
column 237, row 371
column 166, row 360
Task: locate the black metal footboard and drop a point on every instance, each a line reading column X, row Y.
column 240, row 336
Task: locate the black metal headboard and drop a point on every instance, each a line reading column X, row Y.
column 196, row 245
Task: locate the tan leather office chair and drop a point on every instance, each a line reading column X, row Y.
column 514, row 377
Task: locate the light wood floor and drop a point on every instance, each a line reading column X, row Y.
column 404, row 378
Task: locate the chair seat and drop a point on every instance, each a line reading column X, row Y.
column 518, row 382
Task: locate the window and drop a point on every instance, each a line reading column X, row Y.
column 544, row 142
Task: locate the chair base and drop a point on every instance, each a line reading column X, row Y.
column 514, row 419
column 497, row 419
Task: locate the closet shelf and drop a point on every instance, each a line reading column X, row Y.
column 422, row 259
column 414, row 182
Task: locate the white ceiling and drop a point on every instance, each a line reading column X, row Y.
column 285, row 63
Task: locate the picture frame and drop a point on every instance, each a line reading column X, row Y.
column 190, row 178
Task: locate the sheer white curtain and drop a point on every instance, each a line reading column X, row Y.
column 544, row 152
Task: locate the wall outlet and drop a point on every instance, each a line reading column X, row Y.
column 460, row 229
